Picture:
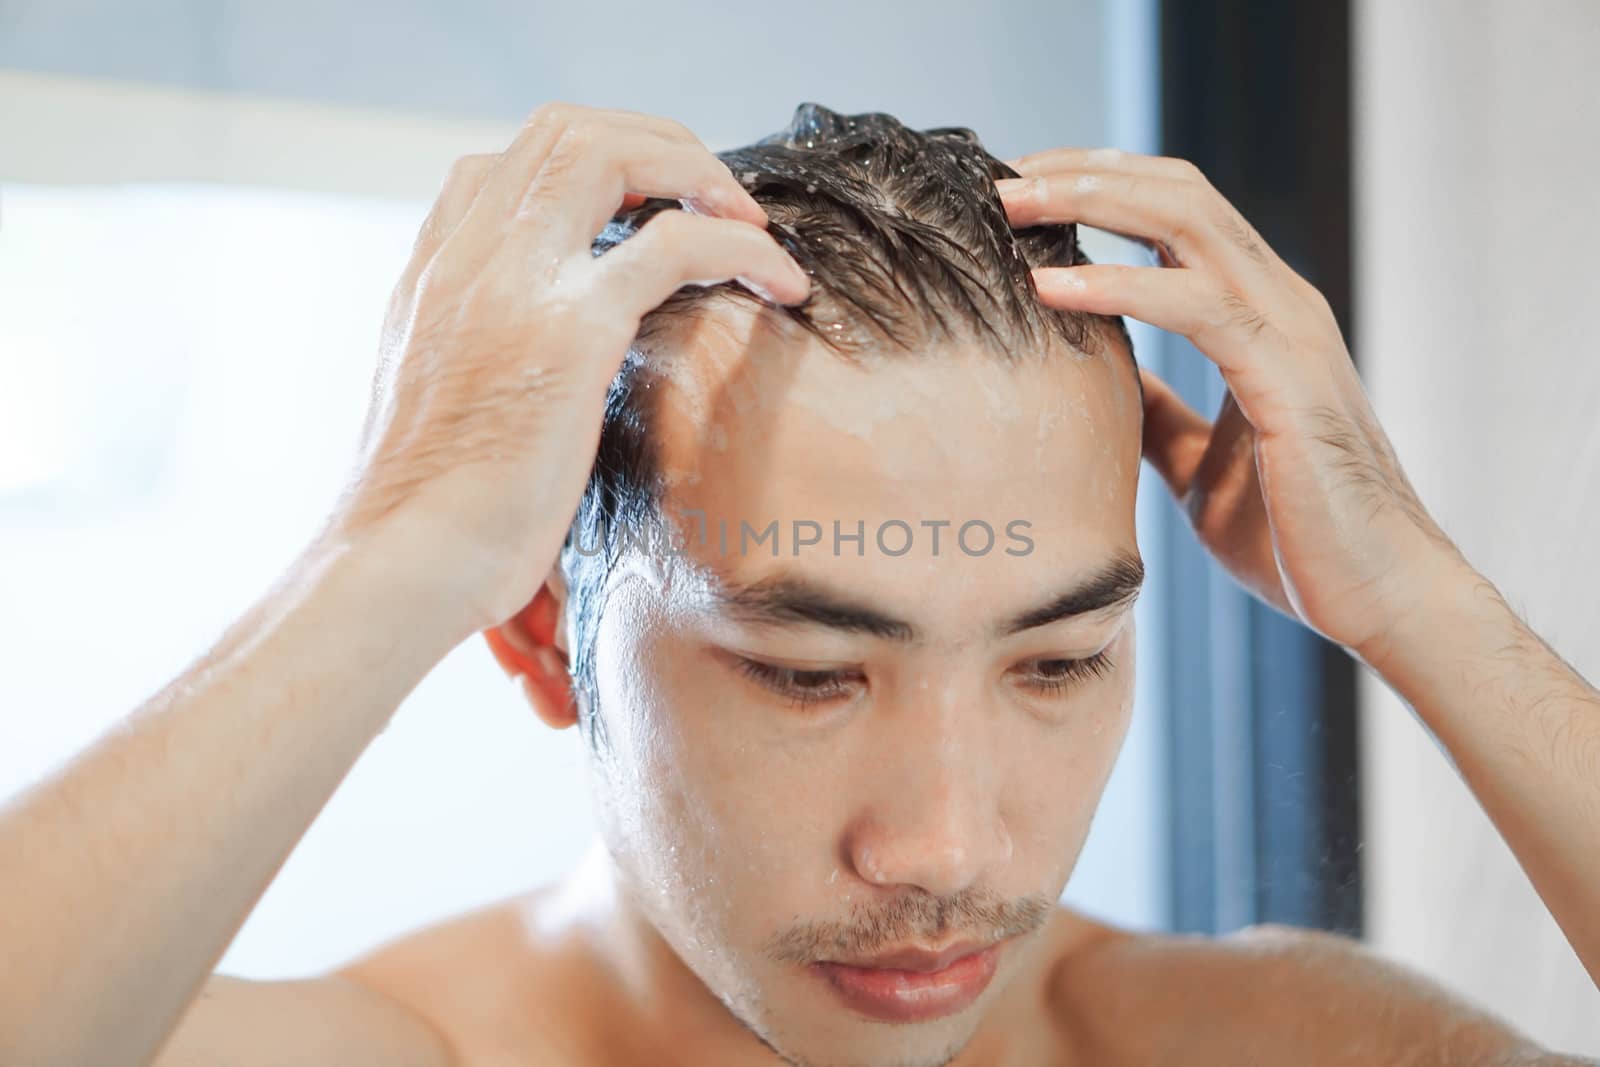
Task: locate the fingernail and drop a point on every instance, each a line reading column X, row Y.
column 760, row 290
column 1059, row 277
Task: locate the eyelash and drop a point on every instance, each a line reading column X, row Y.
column 1076, row 670
column 783, row 680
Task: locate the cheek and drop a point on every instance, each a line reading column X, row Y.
column 745, row 782
column 701, row 800
column 1059, row 772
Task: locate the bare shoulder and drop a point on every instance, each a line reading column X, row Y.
column 317, row 1022
column 504, row 983
column 1273, row 994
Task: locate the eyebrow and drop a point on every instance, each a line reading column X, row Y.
column 788, row 600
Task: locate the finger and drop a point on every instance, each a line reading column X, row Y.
column 676, row 248
column 1210, row 469
column 455, row 197
column 1104, row 159
column 1175, row 435
column 590, row 169
column 460, row 187
column 559, row 138
column 507, row 181
column 730, row 198
column 1184, row 446
column 737, row 203
column 1182, row 301
column 1257, row 362
column 1020, row 197
column 1189, row 218
column 1061, row 161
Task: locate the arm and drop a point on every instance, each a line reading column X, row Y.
column 1523, row 729
column 1297, row 491
column 129, row 872
column 126, row 874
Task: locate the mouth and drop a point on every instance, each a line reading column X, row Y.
column 913, row 984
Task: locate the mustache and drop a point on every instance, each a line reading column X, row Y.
column 981, row 914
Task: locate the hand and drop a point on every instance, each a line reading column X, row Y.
column 1295, row 488
column 504, row 334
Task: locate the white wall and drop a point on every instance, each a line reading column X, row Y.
column 191, row 286
column 1479, row 164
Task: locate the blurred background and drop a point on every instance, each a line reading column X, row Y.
column 204, row 205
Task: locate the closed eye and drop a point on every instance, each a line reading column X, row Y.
column 1055, row 676
column 802, row 688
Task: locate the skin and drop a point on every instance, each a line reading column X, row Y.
column 954, row 769
column 733, row 823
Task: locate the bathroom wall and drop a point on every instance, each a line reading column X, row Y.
column 1479, row 152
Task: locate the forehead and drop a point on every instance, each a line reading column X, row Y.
column 756, row 422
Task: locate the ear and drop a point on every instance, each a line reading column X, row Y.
column 531, row 646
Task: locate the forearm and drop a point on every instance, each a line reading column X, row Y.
column 127, row 873
column 1523, row 728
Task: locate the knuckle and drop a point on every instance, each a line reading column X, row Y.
column 570, row 151
column 469, row 167
column 471, row 162
column 551, row 114
column 666, row 236
column 576, row 138
column 1319, row 299
column 669, row 225
column 1187, row 170
column 1199, row 204
column 677, row 131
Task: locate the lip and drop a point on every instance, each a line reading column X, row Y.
column 914, row 985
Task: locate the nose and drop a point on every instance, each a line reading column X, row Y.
column 934, row 819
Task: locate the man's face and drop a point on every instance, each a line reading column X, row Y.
column 842, row 748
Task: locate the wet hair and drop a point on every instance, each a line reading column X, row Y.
column 906, row 242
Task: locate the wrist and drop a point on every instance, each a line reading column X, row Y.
column 402, row 582
column 1454, row 610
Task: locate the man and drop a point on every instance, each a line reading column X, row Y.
column 843, row 766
